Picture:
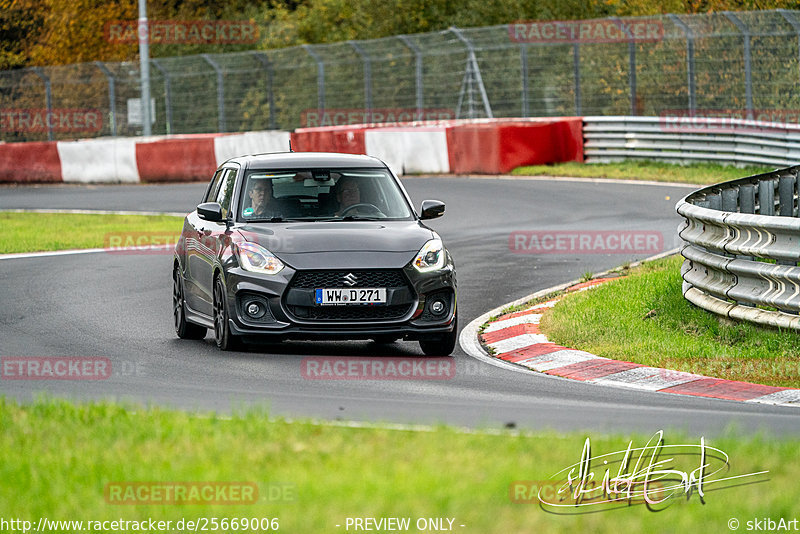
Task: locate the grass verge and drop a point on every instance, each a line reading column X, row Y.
column 696, row 173
column 644, row 318
column 57, row 457
column 35, row 232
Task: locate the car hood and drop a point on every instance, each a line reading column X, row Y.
column 341, row 245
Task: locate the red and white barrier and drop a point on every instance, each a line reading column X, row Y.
column 457, row 146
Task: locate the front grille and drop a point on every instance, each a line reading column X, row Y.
column 390, row 279
column 334, row 279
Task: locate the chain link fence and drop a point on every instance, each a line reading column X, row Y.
column 742, row 63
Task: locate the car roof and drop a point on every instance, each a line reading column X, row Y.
column 293, row 160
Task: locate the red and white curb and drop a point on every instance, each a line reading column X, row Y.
column 516, row 340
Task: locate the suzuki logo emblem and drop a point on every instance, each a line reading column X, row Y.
column 350, row 279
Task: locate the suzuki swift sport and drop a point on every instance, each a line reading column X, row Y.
column 304, row 245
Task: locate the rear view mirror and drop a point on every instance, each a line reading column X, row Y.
column 210, row 211
column 432, row 209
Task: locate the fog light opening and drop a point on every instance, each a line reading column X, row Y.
column 255, row 309
column 438, row 306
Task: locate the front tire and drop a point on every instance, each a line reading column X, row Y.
column 223, row 337
column 183, row 328
column 441, row 346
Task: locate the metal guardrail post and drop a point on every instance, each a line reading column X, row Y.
column 320, row 76
column 417, row 71
column 690, row 70
column 220, row 91
column 721, row 271
column 367, row 77
column 112, row 100
column 473, row 70
column 167, row 93
column 576, row 68
column 264, row 60
column 48, row 99
column 748, row 78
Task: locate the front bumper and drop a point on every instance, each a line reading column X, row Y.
column 282, row 300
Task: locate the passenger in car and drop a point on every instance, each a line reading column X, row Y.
column 261, row 200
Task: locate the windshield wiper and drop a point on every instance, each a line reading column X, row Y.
column 359, row 218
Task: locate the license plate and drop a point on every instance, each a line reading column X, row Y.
column 362, row 295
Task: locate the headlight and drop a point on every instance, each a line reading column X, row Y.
column 257, row 259
column 431, row 256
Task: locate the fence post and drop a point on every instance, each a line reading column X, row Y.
column 473, row 71
column 748, row 80
column 576, row 67
column 220, row 91
column 48, row 98
column 631, row 64
column 690, row 71
column 789, row 16
column 367, row 78
column 523, row 58
column 167, row 94
column 417, row 71
column 261, row 57
column 112, row 100
column 320, row 76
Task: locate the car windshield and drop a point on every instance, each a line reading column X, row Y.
column 322, row 195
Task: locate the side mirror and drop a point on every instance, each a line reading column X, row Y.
column 432, row 209
column 210, row 211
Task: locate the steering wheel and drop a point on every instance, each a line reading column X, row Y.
column 366, row 205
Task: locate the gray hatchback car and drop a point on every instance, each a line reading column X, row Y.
column 313, row 245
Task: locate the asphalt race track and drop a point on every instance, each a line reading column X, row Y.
column 119, row 306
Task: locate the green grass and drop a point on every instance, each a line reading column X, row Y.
column 696, row 173
column 33, row 232
column 645, row 319
column 56, row 458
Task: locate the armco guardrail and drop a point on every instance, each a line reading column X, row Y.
column 743, row 248
column 686, row 139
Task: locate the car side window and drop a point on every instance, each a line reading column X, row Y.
column 212, row 191
column 226, row 191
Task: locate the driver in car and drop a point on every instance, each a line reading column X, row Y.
column 348, row 194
